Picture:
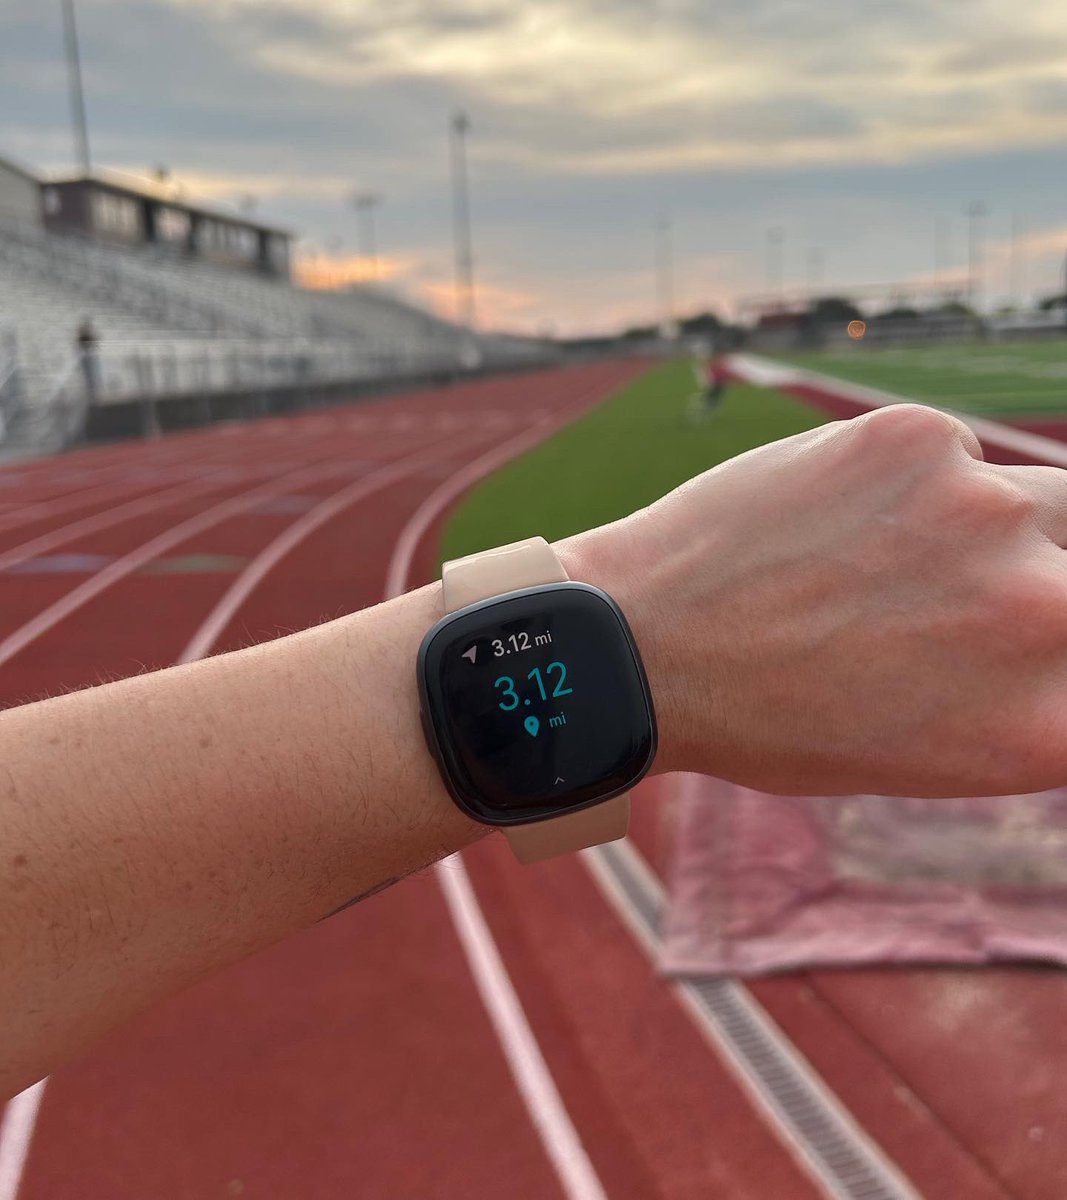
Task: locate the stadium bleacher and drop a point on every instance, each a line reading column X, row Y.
column 170, row 326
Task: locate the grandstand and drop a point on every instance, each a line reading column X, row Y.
column 171, row 323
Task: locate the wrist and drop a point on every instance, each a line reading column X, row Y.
column 606, row 558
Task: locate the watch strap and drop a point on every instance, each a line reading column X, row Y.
column 507, row 569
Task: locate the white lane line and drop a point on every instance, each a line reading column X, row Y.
column 37, row 510
column 117, row 482
column 16, row 1134
column 49, row 617
column 557, row 1132
column 538, row 1090
column 138, row 506
column 256, row 571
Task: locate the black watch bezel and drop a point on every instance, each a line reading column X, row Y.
column 432, row 704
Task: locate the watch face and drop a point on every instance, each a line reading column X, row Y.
column 536, row 704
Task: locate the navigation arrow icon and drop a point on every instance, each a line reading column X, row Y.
column 560, row 779
column 472, row 653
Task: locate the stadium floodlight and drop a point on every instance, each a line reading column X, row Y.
column 775, row 254
column 664, row 246
column 79, row 123
column 459, row 126
column 365, row 203
column 816, row 270
column 941, row 256
column 1016, row 281
column 976, row 212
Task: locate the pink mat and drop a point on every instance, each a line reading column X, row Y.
column 762, row 883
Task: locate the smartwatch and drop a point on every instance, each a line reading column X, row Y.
column 534, row 701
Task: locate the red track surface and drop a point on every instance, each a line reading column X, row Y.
column 357, row 1060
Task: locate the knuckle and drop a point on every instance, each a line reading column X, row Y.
column 993, row 500
column 908, row 426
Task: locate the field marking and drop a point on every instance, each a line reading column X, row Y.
column 103, row 479
column 215, row 623
column 557, row 1133
column 135, row 507
column 62, row 608
column 748, row 368
column 39, row 510
column 944, row 361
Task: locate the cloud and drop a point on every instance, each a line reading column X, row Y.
column 704, row 84
column 851, row 126
column 328, row 270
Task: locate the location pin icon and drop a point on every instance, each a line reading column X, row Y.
column 533, row 725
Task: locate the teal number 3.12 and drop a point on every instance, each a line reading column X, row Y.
column 511, row 696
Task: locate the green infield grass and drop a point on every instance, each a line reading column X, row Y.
column 1010, row 379
column 619, row 457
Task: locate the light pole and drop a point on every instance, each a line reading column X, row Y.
column 461, row 220
column 1016, row 283
column 77, row 94
column 775, row 273
column 976, row 210
column 665, row 273
column 365, row 204
column 816, row 270
column 941, row 232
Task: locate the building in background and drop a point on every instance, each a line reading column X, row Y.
column 121, row 213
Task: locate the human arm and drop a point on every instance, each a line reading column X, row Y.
column 862, row 608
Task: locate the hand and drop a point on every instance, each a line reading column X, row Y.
column 866, row 607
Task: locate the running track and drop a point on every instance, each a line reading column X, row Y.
column 479, row 1031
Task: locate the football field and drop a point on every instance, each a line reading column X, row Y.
column 1013, row 379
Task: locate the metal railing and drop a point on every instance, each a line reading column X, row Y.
column 133, row 370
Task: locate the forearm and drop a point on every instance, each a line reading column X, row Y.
column 159, row 828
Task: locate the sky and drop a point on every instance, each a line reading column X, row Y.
column 844, row 138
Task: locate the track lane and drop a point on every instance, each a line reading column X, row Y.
column 138, row 505
column 65, row 483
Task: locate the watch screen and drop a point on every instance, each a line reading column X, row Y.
column 538, row 703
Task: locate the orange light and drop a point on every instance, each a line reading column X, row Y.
column 857, row 329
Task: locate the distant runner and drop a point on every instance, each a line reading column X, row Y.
column 709, row 394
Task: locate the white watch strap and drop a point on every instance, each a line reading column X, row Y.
column 507, row 569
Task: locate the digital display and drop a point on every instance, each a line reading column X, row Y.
column 537, row 703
